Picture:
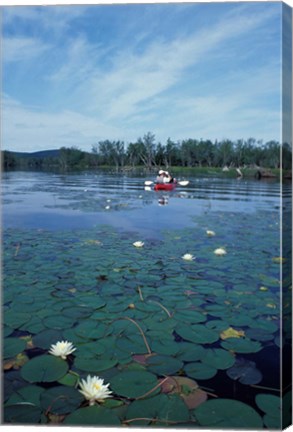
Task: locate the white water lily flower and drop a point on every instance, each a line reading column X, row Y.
column 94, row 389
column 138, row 244
column 220, row 251
column 188, row 257
column 210, row 233
column 62, row 349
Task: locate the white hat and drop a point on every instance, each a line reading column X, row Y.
column 161, row 172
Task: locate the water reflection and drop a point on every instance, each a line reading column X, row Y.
column 85, row 199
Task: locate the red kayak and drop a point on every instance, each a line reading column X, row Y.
column 165, row 186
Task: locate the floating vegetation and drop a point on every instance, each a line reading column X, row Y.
column 153, row 340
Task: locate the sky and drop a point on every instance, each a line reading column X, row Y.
column 76, row 75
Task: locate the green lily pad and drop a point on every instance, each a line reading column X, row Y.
column 190, row 352
column 89, row 349
column 95, row 415
column 199, row 371
column 70, row 379
column 267, row 325
column 7, row 331
column 46, row 338
column 227, row 413
column 15, row 319
column 12, row 347
column 158, row 410
column 22, row 413
column 94, row 364
column 165, row 346
column 190, row 316
column 218, row 358
column 58, row 322
column 34, row 325
column 217, row 325
column 259, row 334
column 30, row 394
column 269, row 404
column 61, row 400
column 90, row 329
column 133, row 384
column 134, row 345
column 45, row 368
column 163, row 364
column 77, row 312
column 241, row 345
column 92, row 301
column 198, row 334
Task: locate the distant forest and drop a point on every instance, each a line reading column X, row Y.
column 148, row 153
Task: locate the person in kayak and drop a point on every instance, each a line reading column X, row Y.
column 164, row 177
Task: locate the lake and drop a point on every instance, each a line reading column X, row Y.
column 177, row 330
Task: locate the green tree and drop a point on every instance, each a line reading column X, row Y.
column 172, row 153
column 8, row 160
column 147, row 146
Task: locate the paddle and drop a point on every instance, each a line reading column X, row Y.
column 181, row 183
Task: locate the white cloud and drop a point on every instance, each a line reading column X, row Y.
column 18, row 49
column 142, row 87
column 28, row 128
column 136, row 79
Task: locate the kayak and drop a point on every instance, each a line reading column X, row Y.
column 165, row 186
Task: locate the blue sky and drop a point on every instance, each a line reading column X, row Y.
column 75, row 75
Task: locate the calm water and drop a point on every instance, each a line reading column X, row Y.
column 71, row 272
column 55, row 201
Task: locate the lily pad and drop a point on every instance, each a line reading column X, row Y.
column 227, row 413
column 186, row 388
column 131, row 345
column 90, row 329
column 197, row 334
column 259, row 334
column 44, row 368
column 61, row 400
column 218, row 358
column 199, row 371
column 190, row 352
column 159, row 410
column 95, row 365
column 12, row 347
column 133, row 384
column 30, row 394
column 46, row 338
column 245, row 371
column 77, row 312
column 58, row 322
column 15, row 319
column 22, row 413
column 241, row 345
column 163, row 365
column 269, row 404
column 94, row 415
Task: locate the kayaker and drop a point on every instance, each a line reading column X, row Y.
column 164, row 177
column 168, row 178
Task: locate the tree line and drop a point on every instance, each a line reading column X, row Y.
column 148, row 153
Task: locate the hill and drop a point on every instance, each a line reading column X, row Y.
column 39, row 154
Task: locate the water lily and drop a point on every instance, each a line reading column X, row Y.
column 138, row 244
column 62, row 349
column 94, row 389
column 220, row 251
column 210, row 233
column 188, row 257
